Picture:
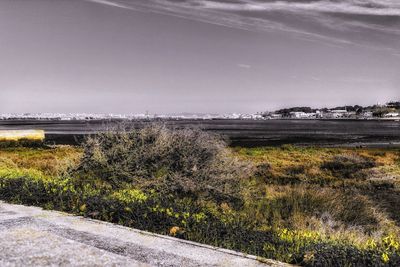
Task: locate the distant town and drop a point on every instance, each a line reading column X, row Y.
column 390, row 110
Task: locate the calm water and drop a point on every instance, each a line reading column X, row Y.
column 243, row 132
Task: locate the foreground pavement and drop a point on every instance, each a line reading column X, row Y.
column 30, row 236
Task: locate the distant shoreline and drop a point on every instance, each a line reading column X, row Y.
column 239, row 132
column 199, row 119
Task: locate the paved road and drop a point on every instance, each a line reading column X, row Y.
column 30, row 236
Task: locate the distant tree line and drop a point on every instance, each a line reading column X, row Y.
column 377, row 110
column 395, row 105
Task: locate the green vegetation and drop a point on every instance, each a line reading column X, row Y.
column 309, row 206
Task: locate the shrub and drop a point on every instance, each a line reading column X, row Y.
column 348, row 165
column 183, row 162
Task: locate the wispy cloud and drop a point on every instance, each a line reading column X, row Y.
column 244, row 66
column 110, row 3
column 361, row 7
column 331, row 22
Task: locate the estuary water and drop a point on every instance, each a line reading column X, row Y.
column 239, row 132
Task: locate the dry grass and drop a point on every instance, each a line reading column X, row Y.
column 53, row 161
column 305, row 163
column 293, row 189
column 19, row 135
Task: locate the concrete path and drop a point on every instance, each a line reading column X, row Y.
column 30, row 236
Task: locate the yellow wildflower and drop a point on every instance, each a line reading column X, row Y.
column 174, row 231
column 385, row 257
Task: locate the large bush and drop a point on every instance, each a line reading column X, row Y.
column 184, row 162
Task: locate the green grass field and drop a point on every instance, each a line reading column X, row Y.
column 309, row 206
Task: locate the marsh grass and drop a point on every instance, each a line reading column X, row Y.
column 51, row 161
column 348, row 194
column 15, row 138
column 294, row 208
column 18, row 135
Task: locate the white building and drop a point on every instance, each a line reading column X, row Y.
column 392, row 115
column 336, row 113
column 299, row 115
column 367, row 114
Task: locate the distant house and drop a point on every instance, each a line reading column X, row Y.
column 245, row 116
column 272, row 115
column 392, row 115
column 257, row 117
column 336, row 113
column 319, row 114
column 276, row 116
column 312, row 115
column 351, row 114
column 367, row 114
column 302, row 115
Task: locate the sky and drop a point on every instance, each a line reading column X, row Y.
column 196, row 56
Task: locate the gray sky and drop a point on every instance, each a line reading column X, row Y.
column 171, row 56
